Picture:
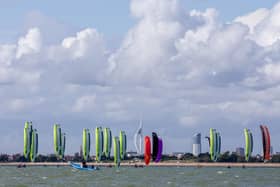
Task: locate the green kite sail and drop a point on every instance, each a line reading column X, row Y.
column 248, row 144
column 107, row 142
column 86, row 144
column 117, row 159
column 59, row 141
column 212, row 144
column 215, row 144
column 123, row 144
column 34, row 145
column 98, row 143
column 27, row 139
column 30, row 141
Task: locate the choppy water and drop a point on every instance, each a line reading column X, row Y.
column 149, row 176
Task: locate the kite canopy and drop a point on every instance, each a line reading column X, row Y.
column 155, row 146
column 248, row 144
column 159, row 153
column 215, row 144
column 123, row 144
column 266, row 142
column 147, row 154
column 117, row 158
column 86, row 144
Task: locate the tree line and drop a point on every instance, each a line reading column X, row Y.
column 187, row 157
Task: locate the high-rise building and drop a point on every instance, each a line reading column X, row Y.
column 240, row 151
column 196, row 144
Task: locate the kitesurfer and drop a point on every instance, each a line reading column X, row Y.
column 84, row 164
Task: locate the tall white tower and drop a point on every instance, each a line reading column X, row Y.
column 196, row 144
column 138, row 138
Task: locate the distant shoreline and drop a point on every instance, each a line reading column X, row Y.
column 141, row 164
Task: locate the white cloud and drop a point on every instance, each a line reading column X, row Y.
column 185, row 69
column 263, row 24
column 149, row 44
column 253, row 19
column 85, row 42
column 29, row 44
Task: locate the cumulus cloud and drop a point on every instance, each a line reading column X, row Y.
column 178, row 69
column 253, row 19
column 12, row 66
column 29, row 44
column 148, row 44
column 86, row 43
column 263, row 25
column 86, row 51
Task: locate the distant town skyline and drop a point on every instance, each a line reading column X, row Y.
column 182, row 67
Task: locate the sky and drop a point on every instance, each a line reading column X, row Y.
column 180, row 66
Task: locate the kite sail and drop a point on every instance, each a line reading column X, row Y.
column 147, row 154
column 86, row 144
column 212, row 144
column 34, row 145
column 155, row 146
column 215, row 144
column 98, row 143
column 117, row 159
column 248, row 144
column 107, row 142
column 30, row 141
column 159, row 153
column 266, row 142
column 27, row 139
column 59, row 141
column 123, row 144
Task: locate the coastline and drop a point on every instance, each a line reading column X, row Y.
column 142, row 164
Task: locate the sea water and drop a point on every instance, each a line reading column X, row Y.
column 147, row 176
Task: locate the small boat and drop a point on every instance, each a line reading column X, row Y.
column 88, row 168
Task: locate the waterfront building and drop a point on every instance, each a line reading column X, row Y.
column 240, row 151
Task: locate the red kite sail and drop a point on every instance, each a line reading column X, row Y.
column 147, row 154
column 266, row 142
